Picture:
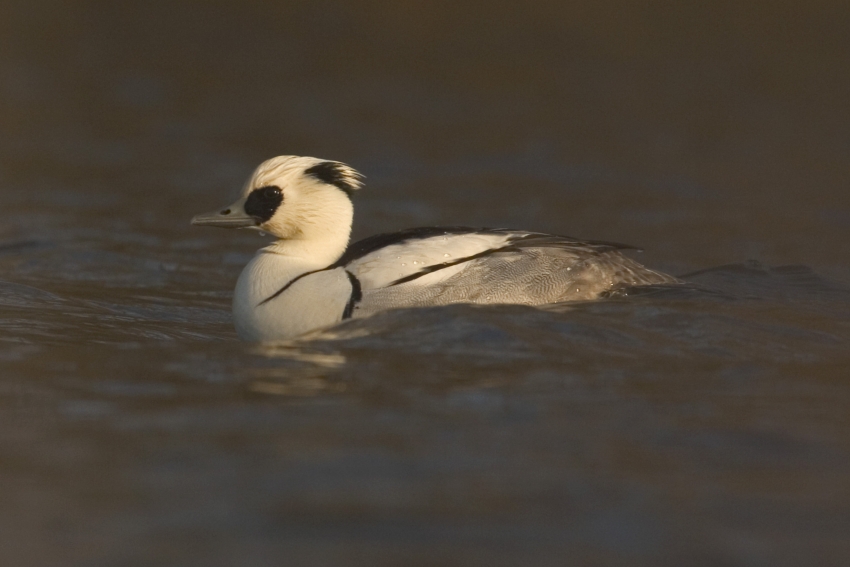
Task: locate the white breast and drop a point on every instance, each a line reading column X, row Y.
column 312, row 301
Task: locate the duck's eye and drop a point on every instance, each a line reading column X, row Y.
column 271, row 193
column 263, row 202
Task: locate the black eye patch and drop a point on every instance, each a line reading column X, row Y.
column 263, row 202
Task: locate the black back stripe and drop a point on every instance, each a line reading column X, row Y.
column 532, row 240
column 356, row 295
column 374, row 243
column 371, row 244
column 438, row 267
column 286, row 287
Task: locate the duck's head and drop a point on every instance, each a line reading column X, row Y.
column 293, row 198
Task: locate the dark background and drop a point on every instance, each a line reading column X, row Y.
column 663, row 430
column 707, row 132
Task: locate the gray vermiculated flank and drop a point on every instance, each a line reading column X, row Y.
column 533, row 276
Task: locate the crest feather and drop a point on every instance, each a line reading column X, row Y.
column 338, row 174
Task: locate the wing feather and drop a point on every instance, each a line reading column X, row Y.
column 441, row 252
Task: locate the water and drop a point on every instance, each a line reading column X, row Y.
column 694, row 426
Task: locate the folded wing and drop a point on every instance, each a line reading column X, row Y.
column 427, row 256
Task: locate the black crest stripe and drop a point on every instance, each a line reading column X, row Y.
column 337, row 174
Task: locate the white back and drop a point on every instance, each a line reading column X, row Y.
column 386, row 265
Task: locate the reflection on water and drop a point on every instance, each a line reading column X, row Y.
column 297, row 371
column 688, row 426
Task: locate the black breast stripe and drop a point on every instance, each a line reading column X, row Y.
column 356, row 295
column 286, row 287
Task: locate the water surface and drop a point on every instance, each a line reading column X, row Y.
column 705, row 425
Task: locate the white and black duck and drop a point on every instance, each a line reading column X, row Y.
column 311, row 278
